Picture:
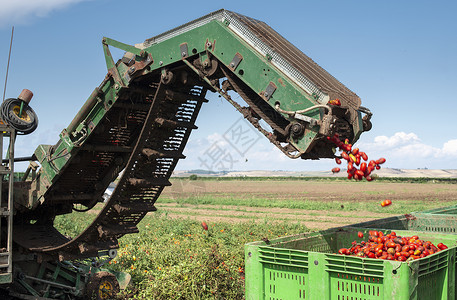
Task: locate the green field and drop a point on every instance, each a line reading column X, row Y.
column 173, row 257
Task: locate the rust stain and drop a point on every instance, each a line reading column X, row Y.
column 281, row 82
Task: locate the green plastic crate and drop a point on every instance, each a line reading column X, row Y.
column 305, row 267
column 449, row 210
column 442, row 220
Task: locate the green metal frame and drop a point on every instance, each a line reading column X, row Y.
column 255, row 70
column 7, row 203
column 57, row 279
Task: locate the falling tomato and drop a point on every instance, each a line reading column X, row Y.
column 381, row 161
column 386, row 202
column 204, row 225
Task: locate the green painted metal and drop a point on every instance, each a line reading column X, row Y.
column 6, row 278
column 125, row 47
column 123, row 278
column 28, row 287
column 215, row 39
column 254, row 70
column 304, row 267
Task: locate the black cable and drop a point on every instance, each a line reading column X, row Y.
column 9, row 116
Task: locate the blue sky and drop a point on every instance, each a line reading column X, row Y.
column 400, row 57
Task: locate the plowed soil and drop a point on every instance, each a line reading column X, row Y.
column 370, row 194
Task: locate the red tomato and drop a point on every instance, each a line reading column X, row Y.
column 335, row 170
column 335, row 102
column 359, row 173
column 378, row 248
column 364, row 156
column 381, row 161
column 355, row 151
column 441, row 246
column 204, row 225
column 337, row 160
column 345, row 155
column 386, row 202
column 343, row 251
column 360, row 235
column 391, row 244
column 363, row 167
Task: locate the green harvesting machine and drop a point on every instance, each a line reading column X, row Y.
column 135, row 126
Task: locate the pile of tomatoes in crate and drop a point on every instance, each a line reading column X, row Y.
column 358, row 166
column 392, row 247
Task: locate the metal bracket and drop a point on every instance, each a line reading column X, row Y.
column 125, row 47
column 311, row 121
column 138, row 67
column 270, row 89
column 110, row 64
column 144, row 59
column 235, row 61
column 183, row 50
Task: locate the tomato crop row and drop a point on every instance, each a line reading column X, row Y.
column 392, row 247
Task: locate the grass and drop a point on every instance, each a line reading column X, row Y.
column 400, row 207
column 177, row 259
column 323, row 179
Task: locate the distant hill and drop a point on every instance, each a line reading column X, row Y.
column 385, row 172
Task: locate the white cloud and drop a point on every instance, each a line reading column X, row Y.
column 407, row 150
column 216, row 138
column 398, row 139
column 21, row 11
column 402, row 150
column 450, row 148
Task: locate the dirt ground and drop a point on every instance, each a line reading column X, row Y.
column 298, row 191
column 313, row 190
column 313, row 219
